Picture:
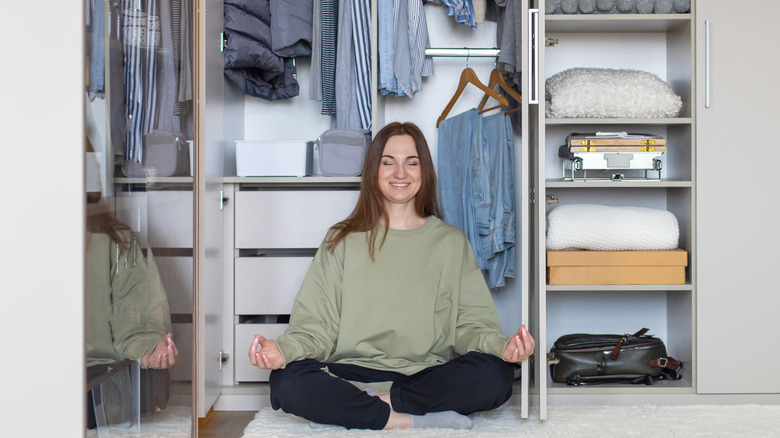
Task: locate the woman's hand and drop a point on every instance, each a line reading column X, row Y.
column 520, row 346
column 163, row 356
column 264, row 354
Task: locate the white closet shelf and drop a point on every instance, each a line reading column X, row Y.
column 620, row 121
column 158, row 180
column 621, row 288
column 616, row 22
column 558, row 184
column 290, row 179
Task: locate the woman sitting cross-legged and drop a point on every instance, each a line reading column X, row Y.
column 394, row 326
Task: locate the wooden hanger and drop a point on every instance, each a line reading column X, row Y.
column 469, row 76
column 497, row 78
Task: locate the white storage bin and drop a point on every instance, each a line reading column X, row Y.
column 268, row 285
column 273, row 158
column 245, row 334
column 289, row 219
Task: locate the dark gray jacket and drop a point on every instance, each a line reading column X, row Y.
column 262, row 39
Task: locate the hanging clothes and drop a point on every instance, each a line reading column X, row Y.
column 361, row 28
column 250, row 61
column 329, row 15
column 462, row 10
column 315, row 79
column 402, row 40
column 509, row 31
column 476, row 188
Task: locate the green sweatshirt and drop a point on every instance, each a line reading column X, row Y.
column 422, row 302
column 127, row 308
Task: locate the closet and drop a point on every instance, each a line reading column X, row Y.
column 693, row 318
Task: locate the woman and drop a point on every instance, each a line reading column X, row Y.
column 393, row 302
column 127, row 311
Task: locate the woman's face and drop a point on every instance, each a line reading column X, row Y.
column 399, row 170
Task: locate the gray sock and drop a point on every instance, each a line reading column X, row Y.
column 314, row 425
column 444, row 420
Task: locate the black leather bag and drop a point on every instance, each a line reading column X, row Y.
column 588, row 359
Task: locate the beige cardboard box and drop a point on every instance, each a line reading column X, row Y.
column 616, row 267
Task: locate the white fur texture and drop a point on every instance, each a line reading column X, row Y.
column 617, row 6
column 607, row 228
column 652, row 421
column 604, row 92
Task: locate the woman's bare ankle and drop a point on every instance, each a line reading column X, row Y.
column 396, row 420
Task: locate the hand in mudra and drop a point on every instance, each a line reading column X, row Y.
column 163, row 356
column 268, row 356
column 520, row 346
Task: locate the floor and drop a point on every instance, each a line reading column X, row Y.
column 224, row 424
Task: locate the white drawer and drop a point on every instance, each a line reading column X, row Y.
column 245, row 334
column 289, row 219
column 176, row 275
column 268, row 285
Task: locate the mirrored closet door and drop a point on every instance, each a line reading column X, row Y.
column 139, row 227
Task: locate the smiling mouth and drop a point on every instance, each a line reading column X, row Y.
column 399, row 184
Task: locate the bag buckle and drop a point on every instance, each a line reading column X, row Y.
column 662, row 361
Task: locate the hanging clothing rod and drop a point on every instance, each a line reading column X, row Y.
column 463, row 52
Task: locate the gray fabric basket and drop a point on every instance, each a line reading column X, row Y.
column 340, row 152
column 166, row 152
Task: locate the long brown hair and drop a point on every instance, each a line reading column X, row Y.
column 370, row 210
column 101, row 220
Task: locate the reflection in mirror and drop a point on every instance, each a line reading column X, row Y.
column 138, row 248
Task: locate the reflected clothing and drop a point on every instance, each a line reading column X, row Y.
column 421, row 303
column 127, row 308
column 96, row 51
column 329, row 393
column 476, row 187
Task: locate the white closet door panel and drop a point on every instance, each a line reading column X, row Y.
column 289, row 219
column 737, row 233
column 170, row 219
column 268, row 285
column 245, row 333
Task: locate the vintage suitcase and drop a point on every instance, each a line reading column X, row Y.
column 610, row 153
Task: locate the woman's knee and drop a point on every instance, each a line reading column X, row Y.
column 495, row 378
column 290, row 380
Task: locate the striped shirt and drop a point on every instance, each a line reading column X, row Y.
column 361, row 25
column 410, row 41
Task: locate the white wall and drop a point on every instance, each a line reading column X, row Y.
column 41, row 185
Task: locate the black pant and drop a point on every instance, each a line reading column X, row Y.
column 470, row 383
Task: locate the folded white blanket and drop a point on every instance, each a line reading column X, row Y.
column 607, row 228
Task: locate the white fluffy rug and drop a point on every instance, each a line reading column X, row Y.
column 172, row 422
column 563, row 421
